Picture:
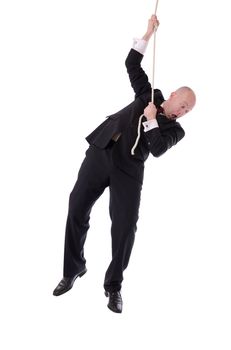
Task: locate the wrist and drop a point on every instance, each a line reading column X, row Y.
column 147, row 36
column 150, row 118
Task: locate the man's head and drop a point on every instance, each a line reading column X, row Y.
column 179, row 102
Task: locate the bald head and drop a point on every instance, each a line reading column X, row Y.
column 180, row 102
column 188, row 93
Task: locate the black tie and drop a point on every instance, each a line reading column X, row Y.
column 160, row 110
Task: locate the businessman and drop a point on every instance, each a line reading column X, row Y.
column 118, row 149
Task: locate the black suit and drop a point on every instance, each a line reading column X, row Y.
column 111, row 164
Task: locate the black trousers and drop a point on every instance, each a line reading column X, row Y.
column 95, row 174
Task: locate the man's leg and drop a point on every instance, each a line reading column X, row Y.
column 125, row 195
column 92, row 180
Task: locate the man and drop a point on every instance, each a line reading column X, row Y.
column 115, row 158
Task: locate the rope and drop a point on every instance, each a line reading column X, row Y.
column 154, row 56
column 138, row 135
column 153, row 80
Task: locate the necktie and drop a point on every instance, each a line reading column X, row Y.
column 160, row 110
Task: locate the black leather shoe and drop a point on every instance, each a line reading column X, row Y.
column 67, row 283
column 115, row 303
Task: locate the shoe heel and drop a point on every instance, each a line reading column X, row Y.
column 82, row 273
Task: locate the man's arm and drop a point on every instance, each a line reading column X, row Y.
column 138, row 78
column 160, row 141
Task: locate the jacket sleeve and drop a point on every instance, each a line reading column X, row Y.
column 159, row 142
column 138, row 78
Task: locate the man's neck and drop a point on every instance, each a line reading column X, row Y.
column 166, row 115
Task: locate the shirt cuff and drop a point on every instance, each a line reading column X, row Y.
column 150, row 124
column 140, row 45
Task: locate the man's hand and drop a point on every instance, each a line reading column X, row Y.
column 150, row 111
column 153, row 24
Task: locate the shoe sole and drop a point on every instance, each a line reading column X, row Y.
column 117, row 312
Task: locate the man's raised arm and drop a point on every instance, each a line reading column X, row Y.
column 138, row 78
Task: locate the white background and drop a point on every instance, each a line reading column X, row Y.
column 62, row 71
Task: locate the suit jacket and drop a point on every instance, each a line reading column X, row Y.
column 157, row 140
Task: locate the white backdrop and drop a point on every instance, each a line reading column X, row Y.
column 62, row 71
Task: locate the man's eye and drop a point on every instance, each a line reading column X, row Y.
column 182, row 107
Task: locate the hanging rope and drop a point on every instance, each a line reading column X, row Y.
column 154, row 56
column 153, row 80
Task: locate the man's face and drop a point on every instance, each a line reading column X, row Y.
column 179, row 103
